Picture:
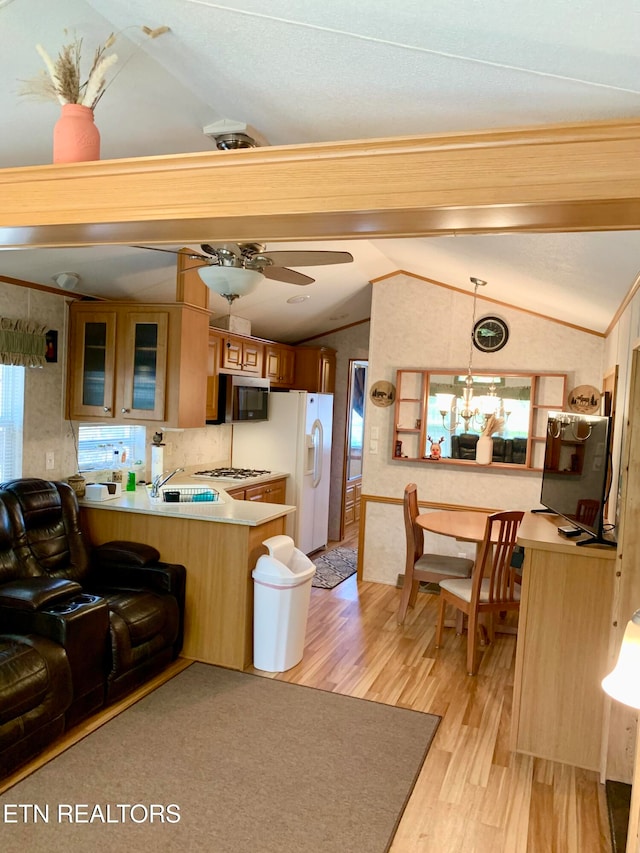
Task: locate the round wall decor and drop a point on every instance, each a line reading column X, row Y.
column 382, row 393
column 584, row 399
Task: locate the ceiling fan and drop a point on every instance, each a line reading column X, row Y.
column 235, row 269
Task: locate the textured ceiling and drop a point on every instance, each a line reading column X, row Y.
column 303, row 72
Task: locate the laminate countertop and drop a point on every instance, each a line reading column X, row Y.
column 225, row 509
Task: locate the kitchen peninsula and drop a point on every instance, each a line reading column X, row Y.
column 219, row 542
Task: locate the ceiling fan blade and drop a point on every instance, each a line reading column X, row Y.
column 307, row 259
column 284, row 274
column 193, row 255
column 208, row 262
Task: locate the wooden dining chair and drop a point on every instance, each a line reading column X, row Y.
column 492, row 587
column 587, row 510
column 431, row 568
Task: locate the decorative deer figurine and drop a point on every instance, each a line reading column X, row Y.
column 435, row 452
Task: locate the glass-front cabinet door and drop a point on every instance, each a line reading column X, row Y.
column 92, row 365
column 144, row 358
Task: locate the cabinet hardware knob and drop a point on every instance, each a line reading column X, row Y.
column 124, row 411
column 107, row 409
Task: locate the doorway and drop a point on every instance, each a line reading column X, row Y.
column 352, row 468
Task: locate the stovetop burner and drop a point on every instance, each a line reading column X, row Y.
column 231, row 473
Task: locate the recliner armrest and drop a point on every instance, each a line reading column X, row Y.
column 123, row 553
column 161, row 577
column 37, row 593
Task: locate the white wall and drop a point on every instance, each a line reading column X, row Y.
column 416, row 324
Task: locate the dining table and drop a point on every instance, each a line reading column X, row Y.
column 464, row 525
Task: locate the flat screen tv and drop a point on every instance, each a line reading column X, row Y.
column 576, row 473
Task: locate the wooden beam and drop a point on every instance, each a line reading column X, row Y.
column 553, row 178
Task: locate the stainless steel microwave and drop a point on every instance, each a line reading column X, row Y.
column 242, row 399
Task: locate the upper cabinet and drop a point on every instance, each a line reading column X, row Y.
column 279, row 365
column 240, row 354
column 315, row 369
column 131, row 362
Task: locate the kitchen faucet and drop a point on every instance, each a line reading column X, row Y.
column 160, row 480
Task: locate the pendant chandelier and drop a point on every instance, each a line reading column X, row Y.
column 473, row 411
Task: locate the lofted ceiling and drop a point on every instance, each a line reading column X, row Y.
column 304, row 72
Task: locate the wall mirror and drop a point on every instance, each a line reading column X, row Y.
column 440, row 414
column 355, row 418
column 458, row 412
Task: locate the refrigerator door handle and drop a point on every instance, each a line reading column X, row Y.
column 318, row 442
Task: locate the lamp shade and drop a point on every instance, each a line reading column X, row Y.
column 623, row 682
column 230, row 281
column 444, row 402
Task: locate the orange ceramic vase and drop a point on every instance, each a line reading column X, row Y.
column 75, row 136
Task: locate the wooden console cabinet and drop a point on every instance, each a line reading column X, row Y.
column 562, row 649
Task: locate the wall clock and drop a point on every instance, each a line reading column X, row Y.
column 490, row 334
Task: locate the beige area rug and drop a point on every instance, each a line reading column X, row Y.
column 226, row 762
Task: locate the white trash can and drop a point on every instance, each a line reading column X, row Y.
column 282, row 589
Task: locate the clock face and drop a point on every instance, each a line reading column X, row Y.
column 490, row 334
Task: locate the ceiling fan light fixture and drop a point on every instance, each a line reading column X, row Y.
column 230, row 281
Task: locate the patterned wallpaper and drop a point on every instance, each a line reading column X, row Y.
column 418, row 324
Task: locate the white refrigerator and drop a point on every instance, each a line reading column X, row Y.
column 296, row 440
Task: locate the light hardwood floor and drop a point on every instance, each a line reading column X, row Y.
column 473, row 794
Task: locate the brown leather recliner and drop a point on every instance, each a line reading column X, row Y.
column 117, row 609
column 35, row 692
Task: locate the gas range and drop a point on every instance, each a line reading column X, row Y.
column 230, row 473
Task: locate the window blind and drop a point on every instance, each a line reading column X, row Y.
column 11, row 421
column 101, row 447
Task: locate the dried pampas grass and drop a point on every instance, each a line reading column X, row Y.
column 62, row 80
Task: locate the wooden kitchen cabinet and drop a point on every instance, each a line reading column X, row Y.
column 279, row 365
column 141, row 363
column 243, row 355
column 352, row 494
column 315, row 369
column 273, row 492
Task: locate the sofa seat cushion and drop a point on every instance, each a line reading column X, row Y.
column 24, row 679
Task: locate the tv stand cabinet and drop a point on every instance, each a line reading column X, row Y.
column 562, row 648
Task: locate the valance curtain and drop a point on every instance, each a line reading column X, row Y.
column 22, row 343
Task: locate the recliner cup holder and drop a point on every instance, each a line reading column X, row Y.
column 67, row 607
column 73, row 604
column 86, row 598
